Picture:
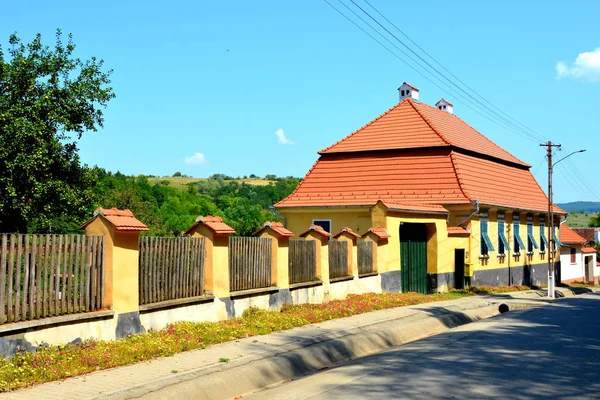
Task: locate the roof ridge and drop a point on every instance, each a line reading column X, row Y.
column 458, row 178
column 428, row 122
column 363, row 127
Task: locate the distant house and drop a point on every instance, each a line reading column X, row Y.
column 591, row 235
column 449, row 197
column 577, row 261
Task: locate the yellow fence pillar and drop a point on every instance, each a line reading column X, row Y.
column 348, row 235
column 279, row 251
column 121, row 291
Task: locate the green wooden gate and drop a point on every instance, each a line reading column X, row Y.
column 413, row 256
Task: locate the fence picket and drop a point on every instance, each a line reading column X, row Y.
column 32, row 275
column 11, row 261
column 18, row 277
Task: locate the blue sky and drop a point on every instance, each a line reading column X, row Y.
column 204, row 87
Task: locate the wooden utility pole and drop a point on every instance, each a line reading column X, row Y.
column 551, row 241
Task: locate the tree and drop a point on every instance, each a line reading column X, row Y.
column 595, row 221
column 177, row 174
column 48, row 99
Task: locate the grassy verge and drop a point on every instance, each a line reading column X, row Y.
column 59, row 362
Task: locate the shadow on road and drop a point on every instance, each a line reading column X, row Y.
column 547, row 352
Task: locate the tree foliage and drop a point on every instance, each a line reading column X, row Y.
column 48, row 99
column 168, row 211
column 595, row 221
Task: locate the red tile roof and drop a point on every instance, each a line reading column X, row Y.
column 316, row 228
column 586, row 233
column 349, row 231
column 410, row 125
column 419, row 181
column 277, row 227
column 381, row 233
column 588, row 250
column 498, row 184
column 458, row 231
column 215, row 224
column 569, row 236
column 364, row 179
column 122, row 220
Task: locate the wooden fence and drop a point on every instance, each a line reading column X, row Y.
column 50, row 275
column 338, row 259
column 249, row 263
column 365, row 250
column 302, row 255
column 170, row 268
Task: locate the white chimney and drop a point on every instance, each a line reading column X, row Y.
column 445, row 105
column 408, row 91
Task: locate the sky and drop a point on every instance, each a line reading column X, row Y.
column 240, row 87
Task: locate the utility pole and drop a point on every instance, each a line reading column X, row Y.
column 551, row 241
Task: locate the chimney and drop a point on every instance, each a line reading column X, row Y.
column 445, row 105
column 408, row 91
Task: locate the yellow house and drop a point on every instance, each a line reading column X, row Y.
column 457, row 207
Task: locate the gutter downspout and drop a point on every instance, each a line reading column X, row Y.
column 470, row 215
column 274, row 211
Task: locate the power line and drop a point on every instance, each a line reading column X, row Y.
column 448, row 71
column 536, row 136
column 498, row 122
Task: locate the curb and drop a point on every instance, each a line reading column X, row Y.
column 253, row 373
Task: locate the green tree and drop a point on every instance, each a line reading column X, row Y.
column 595, row 221
column 48, row 99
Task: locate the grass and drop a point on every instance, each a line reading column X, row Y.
column 181, row 182
column 579, row 220
column 51, row 363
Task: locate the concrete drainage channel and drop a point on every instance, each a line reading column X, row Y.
column 306, row 355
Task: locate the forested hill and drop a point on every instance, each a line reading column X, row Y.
column 581, row 206
column 170, row 205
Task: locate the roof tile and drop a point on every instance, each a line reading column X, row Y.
column 458, row 231
column 588, row 250
column 277, row 227
column 347, row 230
column 316, row 228
column 410, row 125
column 381, row 233
column 215, row 224
column 122, row 220
column 569, row 236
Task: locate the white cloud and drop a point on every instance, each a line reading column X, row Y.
column 281, row 137
column 195, row 159
column 586, row 67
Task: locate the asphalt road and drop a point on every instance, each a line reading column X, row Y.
column 551, row 351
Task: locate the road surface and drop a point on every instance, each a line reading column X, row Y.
column 551, row 351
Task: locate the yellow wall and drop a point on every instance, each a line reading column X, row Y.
column 439, row 257
column 356, row 218
column 510, row 260
column 279, row 257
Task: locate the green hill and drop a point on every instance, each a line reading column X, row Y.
column 590, row 207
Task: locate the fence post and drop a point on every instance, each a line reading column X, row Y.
column 279, row 251
column 348, row 235
column 216, row 267
column 319, row 235
column 121, row 231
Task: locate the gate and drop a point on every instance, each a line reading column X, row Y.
column 413, row 256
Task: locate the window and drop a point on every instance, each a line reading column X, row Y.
column 402, row 93
column 531, row 243
column 543, row 239
column 573, row 255
column 486, row 243
column 517, row 241
column 323, row 223
column 502, row 242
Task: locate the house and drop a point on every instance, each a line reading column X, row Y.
column 577, row 261
column 452, row 200
column 591, row 235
